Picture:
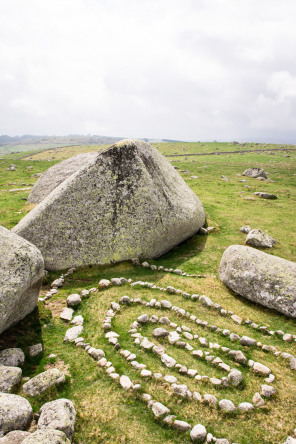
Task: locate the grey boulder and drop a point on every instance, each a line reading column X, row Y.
column 47, row 437
column 255, row 172
column 58, row 415
column 12, row 357
column 21, row 274
column 137, row 206
column 10, row 377
column 260, row 277
column 42, row 382
column 257, row 238
column 15, row 413
column 57, row 174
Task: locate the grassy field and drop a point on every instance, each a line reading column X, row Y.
column 108, row 414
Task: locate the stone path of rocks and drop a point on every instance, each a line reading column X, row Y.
column 185, row 337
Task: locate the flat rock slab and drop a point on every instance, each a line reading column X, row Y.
column 260, row 277
column 47, row 437
column 12, row 357
column 265, row 195
column 255, row 172
column 15, row 413
column 42, row 382
column 137, row 206
column 21, row 275
column 58, row 415
column 10, row 377
column 73, row 333
column 57, row 174
column 16, row 437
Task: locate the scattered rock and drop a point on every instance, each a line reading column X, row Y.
column 267, row 390
column 181, row 425
column 67, row 314
column 58, row 415
column 257, row 400
column 260, row 277
column 245, row 229
column 245, row 406
column 125, row 382
column 42, row 382
column 73, row 333
column 235, row 377
column 73, row 300
column 21, row 277
column 168, row 361
column 15, row 413
column 10, row 377
column 159, row 409
column 265, row 195
column 35, row 350
column 255, row 172
column 227, row 406
column 160, row 332
column 12, row 357
column 238, row 356
column 257, row 238
column 198, row 433
column 104, row 283
column 261, row 369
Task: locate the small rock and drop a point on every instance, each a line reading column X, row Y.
column 42, row 382
column 245, row 406
column 160, row 333
column 67, row 314
column 12, row 357
column 168, row 361
column 245, row 229
column 257, row 400
column 235, row 377
column 104, row 283
column 257, row 238
column 227, row 406
column 78, row 320
column 73, row 300
column 198, row 433
column 267, row 390
column 261, row 369
column 181, row 425
column 10, row 377
column 116, row 282
column 159, row 409
column 73, row 333
column 125, row 382
column 143, row 319
column 245, row 340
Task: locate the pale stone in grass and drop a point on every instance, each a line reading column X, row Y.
column 15, row 413
column 159, row 409
column 12, row 357
column 260, row 277
column 166, row 304
column 104, row 283
column 257, row 400
column 173, row 337
column 73, row 333
column 210, row 399
column 181, row 425
column 245, row 406
column 235, row 377
column 78, row 320
column 143, row 319
column 10, row 377
column 267, row 390
column 67, row 314
column 73, row 300
column 198, row 433
column 168, row 361
column 160, row 332
column 131, row 177
column 261, row 369
column 255, row 172
column 238, row 356
column 21, row 275
column 58, row 415
column 42, row 382
column 246, row 340
column 227, row 406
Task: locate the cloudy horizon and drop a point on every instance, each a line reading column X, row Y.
column 191, row 70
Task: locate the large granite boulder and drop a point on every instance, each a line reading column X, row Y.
column 55, row 175
column 262, row 278
column 58, row 415
column 15, row 413
column 21, row 274
column 129, row 201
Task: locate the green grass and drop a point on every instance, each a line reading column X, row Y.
column 106, row 413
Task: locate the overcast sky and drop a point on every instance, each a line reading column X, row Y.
column 186, row 69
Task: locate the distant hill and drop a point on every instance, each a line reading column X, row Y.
column 30, row 142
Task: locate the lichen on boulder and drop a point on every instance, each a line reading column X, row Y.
column 21, row 275
column 260, row 277
column 128, row 201
column 56, row 174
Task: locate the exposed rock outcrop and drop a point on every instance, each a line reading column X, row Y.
column 21, row 274
column 129, row 201
column 262, row 278
column 255, row 172
column 55, row 175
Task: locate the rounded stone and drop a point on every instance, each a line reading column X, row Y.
column 12, row 357
column 198, row 433
column 227, row 406
column 15, row 413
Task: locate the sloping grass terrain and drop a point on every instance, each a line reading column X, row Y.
column 108, row 414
